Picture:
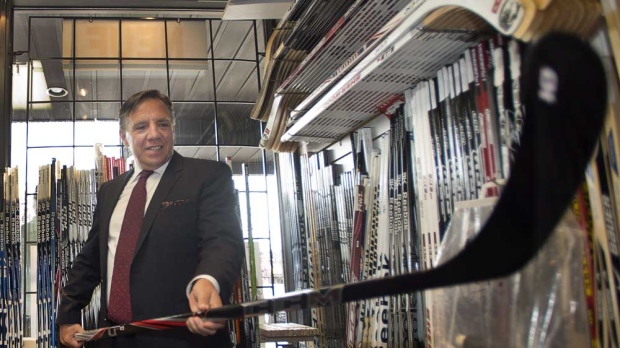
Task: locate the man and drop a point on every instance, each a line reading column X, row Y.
column 186, row 252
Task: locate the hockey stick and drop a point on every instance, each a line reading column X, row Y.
column 564, row 90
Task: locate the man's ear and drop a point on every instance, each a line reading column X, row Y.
column 121, row 133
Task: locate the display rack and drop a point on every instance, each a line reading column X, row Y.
column 348, row 92
column 383, row 68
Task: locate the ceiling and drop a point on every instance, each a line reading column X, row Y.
column 234, row 81
column 138, row 4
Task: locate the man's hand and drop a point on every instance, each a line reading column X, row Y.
column 67, row 335
column 202, row 298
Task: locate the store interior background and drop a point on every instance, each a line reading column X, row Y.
column 101, row 52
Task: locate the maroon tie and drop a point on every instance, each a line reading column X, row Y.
column 119, row 306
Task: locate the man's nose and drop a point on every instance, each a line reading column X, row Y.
column 152, row 131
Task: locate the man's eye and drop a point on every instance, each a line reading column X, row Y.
column 164, row 124
column 139, row 127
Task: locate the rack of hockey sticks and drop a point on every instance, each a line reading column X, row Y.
column 48, row 229
column 352, row 30
column 66, row 199
column 406, row 197
column 328, row 239
column 367, row 82
column 297, row 33
column 556, row 145
column 11, row 320
column 602, row 220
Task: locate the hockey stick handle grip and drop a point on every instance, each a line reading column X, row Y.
column 327, row 296
column 406, row 283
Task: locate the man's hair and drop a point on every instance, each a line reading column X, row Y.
column 135, row 100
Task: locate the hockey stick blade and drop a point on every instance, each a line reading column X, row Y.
column 565, row 93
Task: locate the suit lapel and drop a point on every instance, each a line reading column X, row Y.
column 115, row 189
column 170, row 177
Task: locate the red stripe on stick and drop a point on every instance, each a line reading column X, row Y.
column 150, row 326
column 165, row 322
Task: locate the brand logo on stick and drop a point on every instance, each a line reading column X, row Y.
column 509, row 14
column 548, row 85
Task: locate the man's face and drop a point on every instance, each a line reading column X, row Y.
column 149, row 133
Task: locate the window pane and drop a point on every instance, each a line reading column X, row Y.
column 18, row 115
column 85, row 156
column 257, row 181
column 187, row 151
column 260, row 31
column 206, row 152
column 18, row 153
column 92, row 132
column 263, row 251
column 50, row 133
column 236, row 81
column 97, row 80
column 226, row 36
column 259, row 214
column 191, row 80
column 274, row 215
column 30, row 328
column 254, row 167
column 188, row 39
column 195, row 123
column 235, row 127
column 52, row 73
column 20, row 33
column 262, row 266
column 31, row 267
column 139, row 75
column 240, row 155
column 261, row 67
column 20, row 91
column 31, row 235
column 51, row 112
column 96, row 38
column 51, row 38
column 98, row 112
column 38, row 157
column 143, row 39
column 247, row 48
column 276, row 238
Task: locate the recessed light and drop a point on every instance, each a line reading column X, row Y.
column 83, row 92
column 56, row 92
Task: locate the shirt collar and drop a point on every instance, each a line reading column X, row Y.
column 160, row 170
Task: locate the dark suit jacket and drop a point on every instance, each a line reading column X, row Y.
column 190, row 228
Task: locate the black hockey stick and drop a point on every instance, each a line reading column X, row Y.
column 564, row 91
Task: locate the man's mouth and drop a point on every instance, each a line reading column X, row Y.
column 154, row 148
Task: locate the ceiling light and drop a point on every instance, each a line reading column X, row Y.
column 56, row 92
column 83, row 92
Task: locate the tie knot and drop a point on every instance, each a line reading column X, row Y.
column 145, row 174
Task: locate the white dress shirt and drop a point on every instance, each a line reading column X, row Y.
column 119, row 213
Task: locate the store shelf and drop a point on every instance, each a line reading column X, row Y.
column 350, row 33
column 408, row 49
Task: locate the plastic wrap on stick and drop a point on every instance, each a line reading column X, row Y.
column 541, row 306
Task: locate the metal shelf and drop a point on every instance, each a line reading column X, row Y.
column 408, row 49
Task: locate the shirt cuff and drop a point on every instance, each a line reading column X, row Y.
column 216, row 285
